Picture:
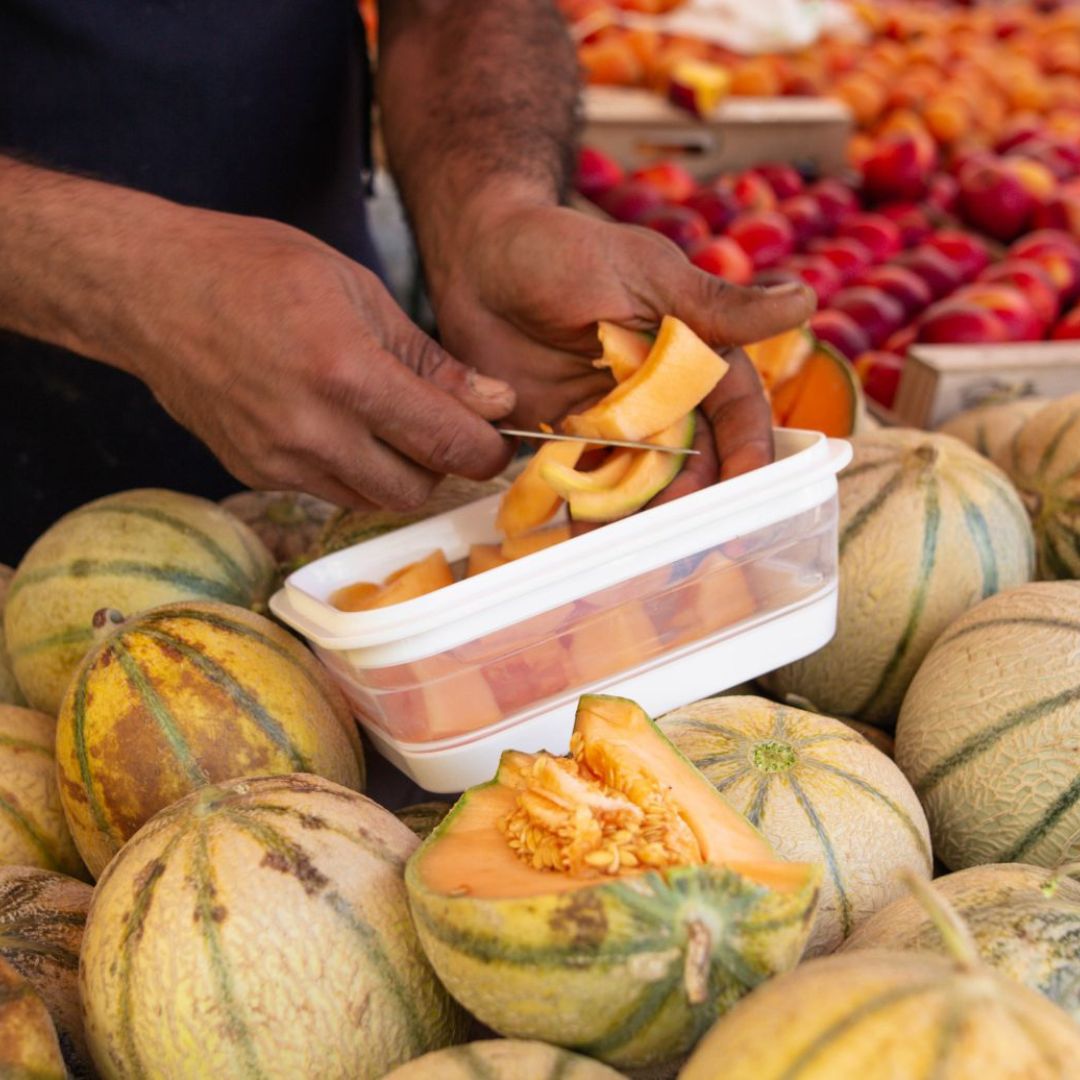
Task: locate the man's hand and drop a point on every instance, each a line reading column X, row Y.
column 523, row 299
column 290, row 361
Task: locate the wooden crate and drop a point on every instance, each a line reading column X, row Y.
column 638, row 127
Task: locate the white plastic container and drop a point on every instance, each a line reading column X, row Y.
column 664, row 607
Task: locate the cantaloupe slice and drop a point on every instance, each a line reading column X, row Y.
column 483, row 557
column 417, row 579
column 624, row 350
column 530, row 502
column 678, row 374
column 716, row 595
column 566, row 481
column 648, row 474
column 517, row 547
column 824, row 395
column 616, row 640
column 780, row 358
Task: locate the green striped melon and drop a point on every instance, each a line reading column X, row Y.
column 1025, row 921
column 504, row 1059
column 819, row 792
column 32, row 827
column 259, row 929
column 423, row 817
column 185, row 695
column 990, row 427
column 989, row 734
column 29, row 1049
column 10, row 694
column 129, row 552
column 287, row 522
column 41, row 926
column 1043, row 460
column 876, row 1015
column 927, row 529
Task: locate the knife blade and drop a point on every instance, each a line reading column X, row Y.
column 551, row 436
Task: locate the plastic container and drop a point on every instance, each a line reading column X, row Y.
column 665, row 607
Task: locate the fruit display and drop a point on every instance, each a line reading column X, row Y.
column 28, row 1043
column 187, row 695
column 928, row 528
column 504, row 1059
column 277, row 906
column 1025, row 921
column 610, row 902
column 997, row 697
column 42, row 915
column 819, row 793
column 33, row 831
column 877, row 1014
column 129, row 552
column 1043, row 461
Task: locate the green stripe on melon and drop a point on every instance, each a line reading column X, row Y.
column 1043, row 460
column 1025, row 921
column 988, row 429
column 258, row 929
column 504, row 1059
column 927, row 529
column 989, row 730
column 819, row 792
column 186, row 695
column 128, row 552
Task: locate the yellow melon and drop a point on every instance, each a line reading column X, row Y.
column 819, row 792
column 927, row 529
column 10, row 694
column 989, row 734
column 29, row 1049
column 287, row 522
column 504, row 1059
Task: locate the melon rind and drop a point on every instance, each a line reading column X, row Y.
column 29, row 1049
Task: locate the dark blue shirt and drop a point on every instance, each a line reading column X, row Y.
column 246, row 106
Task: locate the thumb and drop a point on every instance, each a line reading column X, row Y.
column 726, row 314
column 490, row 398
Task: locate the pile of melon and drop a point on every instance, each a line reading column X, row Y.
column 193, row 884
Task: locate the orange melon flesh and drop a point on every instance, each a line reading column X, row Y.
column 648, row 474
column 483, row 557
column 780, row 358
column 624, row 350
column 417, row 579
column 822, row 396
column 469, row 855
column 518, row 547
column 530, row 502
column 615, row 640
column 566, row 481
column 678, row 374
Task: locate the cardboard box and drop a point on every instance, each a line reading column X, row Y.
column 638, row 127
column 939, row 381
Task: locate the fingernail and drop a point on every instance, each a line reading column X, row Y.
column 485, row 387
column 788, row 288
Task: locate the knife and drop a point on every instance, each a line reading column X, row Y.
column 551, row 436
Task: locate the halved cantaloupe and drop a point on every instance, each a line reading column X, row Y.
column 530, row 502
column 483, row 557
column 624, row 350
column 678, row 374
column 611, row 900
column 649, row 472
column 517, row 547
column 417, row 579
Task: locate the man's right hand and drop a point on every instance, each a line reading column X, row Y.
column 290, row 361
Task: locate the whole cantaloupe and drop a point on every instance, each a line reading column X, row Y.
column 819, row 792
column 129, row 552
column 1025, row 921
column 1043, row 460
column 287, row 522
column 989, row 428
column 32, row 827
column 260, row 928
column 989, row 734
column 41, row 925
column 504, row 1059
column 927, row 529
column 10, row 694
column 186, row 695
column 29, row 1049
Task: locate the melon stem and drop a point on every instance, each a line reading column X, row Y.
column 959, row 944
column 105, row 621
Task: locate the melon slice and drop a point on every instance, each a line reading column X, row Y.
column 518, row 547
column 616, row 640
column 825, row 395
column 566, row 481
column 624, row 350
column 417, row 579
column 780, row 358
column 649, row 472
column 678, row 374
column 484, row 557
column 611, row 900
column 530, row 502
